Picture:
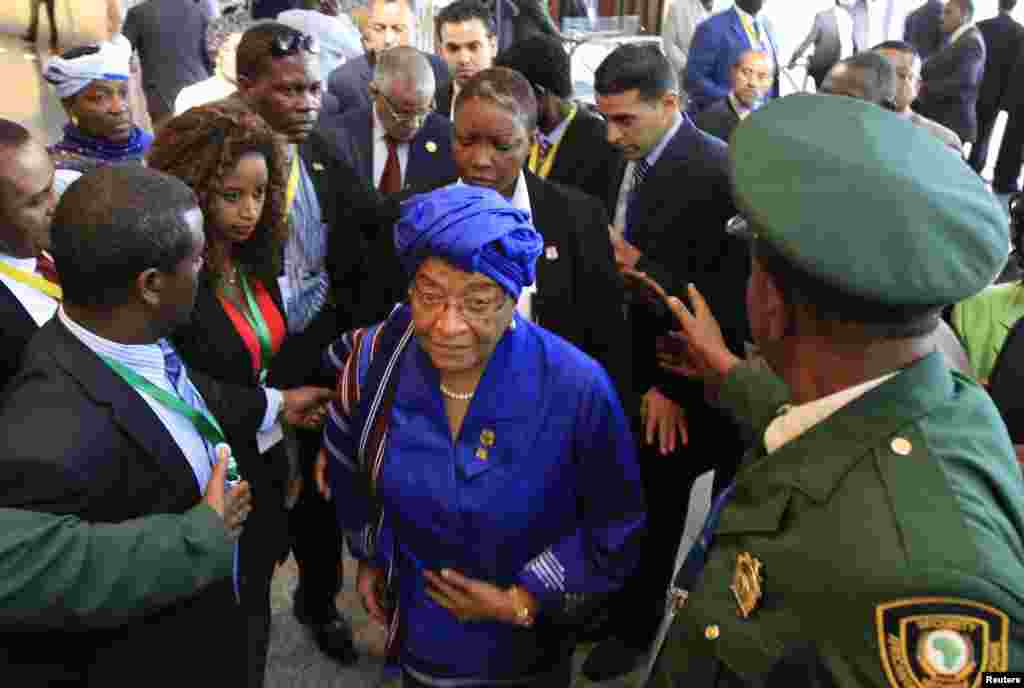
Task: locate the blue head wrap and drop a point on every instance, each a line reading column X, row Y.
column 473, row 228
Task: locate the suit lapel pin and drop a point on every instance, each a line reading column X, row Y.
column 487, row 438
column 551, row 252
column 430, row 146
column 318, row 167
column 746, row 583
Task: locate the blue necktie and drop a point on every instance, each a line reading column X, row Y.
column 175, row 369
column 641, row 168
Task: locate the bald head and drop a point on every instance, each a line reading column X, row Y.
column 865, row 76
column 404, row 68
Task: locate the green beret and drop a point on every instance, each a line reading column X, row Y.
column 866, row 201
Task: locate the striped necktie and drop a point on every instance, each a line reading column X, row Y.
column 174, row 369
column 641, row 168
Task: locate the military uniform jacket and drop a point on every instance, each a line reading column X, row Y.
column 889, row 535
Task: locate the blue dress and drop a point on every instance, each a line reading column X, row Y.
column 540, row 489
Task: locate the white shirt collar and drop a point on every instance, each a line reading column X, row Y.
column 558, row 132
column 520, row 197
column 745, row 15
column 25, row 264
column 960, row 32
column 655, row 153
column 742, row 110
column 799, row 419
column 141, row 358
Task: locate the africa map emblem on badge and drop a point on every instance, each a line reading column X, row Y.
column 746, row 583
column 940, row 642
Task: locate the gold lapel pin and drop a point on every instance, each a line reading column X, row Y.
column 431, row 147
column 318, row 167
column 487, row 438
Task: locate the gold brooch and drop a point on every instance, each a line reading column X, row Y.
column 487, row 438
column 746, row 583
column 430, row 146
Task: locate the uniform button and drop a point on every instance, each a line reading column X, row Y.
column 712, row 632
column 901, row 446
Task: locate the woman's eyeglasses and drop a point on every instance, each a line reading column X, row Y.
column 470, row 306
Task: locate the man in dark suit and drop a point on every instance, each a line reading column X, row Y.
column 401, row 119
column 717, row 43
column 128, row 243
column 278, row 78
column 674, row 231
column 467, row 40
column 1011, row 151
column 572, row 146
column 923, row 28
column 751, row 79
column 390, row 23
column 28, row 298
column 950, row 79
column 1004, row 42
column 170, row 38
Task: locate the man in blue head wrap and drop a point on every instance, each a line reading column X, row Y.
column 496, row 459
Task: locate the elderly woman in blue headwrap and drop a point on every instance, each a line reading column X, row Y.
column 92, row 84
column 481, row 465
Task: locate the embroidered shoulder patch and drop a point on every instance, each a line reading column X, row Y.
column 940, row 642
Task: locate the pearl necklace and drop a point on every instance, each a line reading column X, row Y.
column 456, row 396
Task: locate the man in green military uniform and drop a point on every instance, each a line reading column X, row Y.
column 880, row 514
column 57, row 571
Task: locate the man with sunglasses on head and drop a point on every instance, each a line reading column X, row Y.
column 279, row 79
column 397, row 145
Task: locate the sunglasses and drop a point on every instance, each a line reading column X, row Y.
column 292, row 43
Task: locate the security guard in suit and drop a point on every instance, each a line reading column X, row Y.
column 879, row 516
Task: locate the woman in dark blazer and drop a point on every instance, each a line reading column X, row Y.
column 238, row 331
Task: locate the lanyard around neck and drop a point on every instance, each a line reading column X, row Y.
column 255, row 318
column 205, row 424
column 543, row 168
column 293, row 182
column 32, row 280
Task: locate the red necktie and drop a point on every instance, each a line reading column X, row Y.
column 46, row 269
column 391, row 179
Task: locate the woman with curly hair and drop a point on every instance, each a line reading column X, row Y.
column 237, row 168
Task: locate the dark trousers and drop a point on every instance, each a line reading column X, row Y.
column 1010, row 154
column 636, row 610
column 315, row 536
column 979, row 151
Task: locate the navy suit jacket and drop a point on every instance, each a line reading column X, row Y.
column 717, row 43
column 349, row 83
column 682, row 237
column 923, row 28
column 349, row 137
column 16, row 329
column 951, row 79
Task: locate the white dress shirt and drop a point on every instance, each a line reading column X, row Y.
column 627, row 178
column 39, row 306
column 147, row 360
column 380, row 151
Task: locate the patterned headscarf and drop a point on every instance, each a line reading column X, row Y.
column 110, row 61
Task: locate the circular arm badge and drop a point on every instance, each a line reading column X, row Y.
column 940, row 641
